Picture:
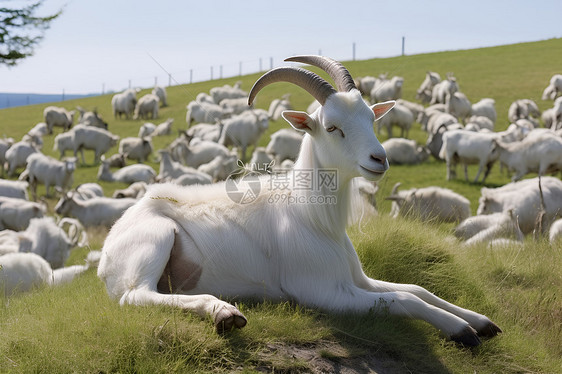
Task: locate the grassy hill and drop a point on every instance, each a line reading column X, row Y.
column 78, row 328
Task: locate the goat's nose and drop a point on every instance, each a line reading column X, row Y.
column 380, row 159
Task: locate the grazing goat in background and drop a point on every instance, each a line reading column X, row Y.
column 183, row 246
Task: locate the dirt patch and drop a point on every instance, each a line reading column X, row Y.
column 326, row 357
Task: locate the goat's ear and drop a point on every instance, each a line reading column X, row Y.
column 299, row 120
column 380, row 109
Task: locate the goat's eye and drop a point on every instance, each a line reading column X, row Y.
column 334, row 128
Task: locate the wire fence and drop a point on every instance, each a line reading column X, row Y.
column 168, row 78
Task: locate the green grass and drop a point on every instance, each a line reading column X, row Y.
column 77, row 328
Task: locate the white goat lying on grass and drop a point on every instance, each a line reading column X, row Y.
column 45, row 238
column 489, row 227
column 184, row 246
column 21, row 272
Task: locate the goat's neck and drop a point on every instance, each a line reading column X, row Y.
column 331, row 209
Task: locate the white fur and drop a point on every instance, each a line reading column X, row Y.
column 555, row 233
column 523, row 198
column 17, row 154
column 15, row 189
column 244, row 130
column 485, row 107
column 235, row 106
column 98, row 211
column 136, row 148
column 390, row 89
column 203, row 111
column 277, row 106
column 227, row 92
column 458, row 105
column 468, row 147
column 124, row 103
column 401, row 151
column 128, row 174
column 488, row 227
column 540, row 153
column 399, row 116
column 91, row 118
column 284, row 144
column 15, row 214
column 424, row 91
column 42, row 237
column 93, row 138
column 55, row 116
column 21, row 272
column 147, row 107
column 554, row 88
column 441, row 89
column 49, row 172
column 170, row 169
column 135, row 190
column 429, row 204
column 160, row 92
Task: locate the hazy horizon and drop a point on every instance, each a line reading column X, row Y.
column 107, row 46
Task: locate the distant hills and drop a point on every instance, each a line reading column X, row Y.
column 9, row 100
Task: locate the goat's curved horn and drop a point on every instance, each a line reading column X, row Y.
column 342, row 78
column 305, row 79
column 395, row 188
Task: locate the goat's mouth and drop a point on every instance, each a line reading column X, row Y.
column 370, row 173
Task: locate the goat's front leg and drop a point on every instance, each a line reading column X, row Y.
column 347, row 297
column 482, row 324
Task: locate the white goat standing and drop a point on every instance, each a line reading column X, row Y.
column 49, row 172
column 55, row 116
column 469, row 147
column 541, row 153
column 124, row 103
column 5, row 144
column 424, row 92
column 147, row 107
column 180, row 246
column 160, row 92
column 244, row 130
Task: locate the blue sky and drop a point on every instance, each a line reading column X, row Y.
column 103, row 45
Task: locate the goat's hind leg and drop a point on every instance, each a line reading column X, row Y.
column 135, row 256
column 225, row 316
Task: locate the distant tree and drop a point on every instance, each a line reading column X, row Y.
column 21, row 30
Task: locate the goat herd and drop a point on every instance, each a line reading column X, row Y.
column 183, row 239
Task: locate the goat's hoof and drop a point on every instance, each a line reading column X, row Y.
column 490, row 330
column 467, row 337
column 227, row 319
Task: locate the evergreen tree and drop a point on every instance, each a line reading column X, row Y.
column 21, row 30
